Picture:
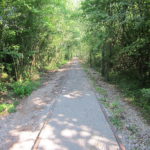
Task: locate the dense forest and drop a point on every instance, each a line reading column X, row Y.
column 110, row 35
column 117, row 41
column 35, row 36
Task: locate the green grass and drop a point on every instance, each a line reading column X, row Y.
column 8, row 107
column 115, row 105
column 101, row 91
column 24, row 88
column 116, row 109
column 55, row 66
column 3, row 87
column 134, row 92
column 103, row 99
column 116, row 121
column 20, row 89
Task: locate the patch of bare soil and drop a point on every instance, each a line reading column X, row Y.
column 135, row 133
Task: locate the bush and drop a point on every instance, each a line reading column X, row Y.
column 24, row 88
column 146, row 95
column 3, row 87
column 12, row 109
column 131, row 88
column 2, row 108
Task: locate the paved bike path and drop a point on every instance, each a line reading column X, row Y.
column 77, row 121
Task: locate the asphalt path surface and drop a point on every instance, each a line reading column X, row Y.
column 77, row 122
column 64, row 114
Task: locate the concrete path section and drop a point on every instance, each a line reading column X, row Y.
column 77, row 122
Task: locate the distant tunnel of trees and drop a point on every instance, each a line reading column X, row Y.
column 113, row 36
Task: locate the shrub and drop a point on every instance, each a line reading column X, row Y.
column 115, row 105
column 3, row 87
column 146, row 95
column 2, row 108
column 12, row 109
column 101, row 91
column 24, row 88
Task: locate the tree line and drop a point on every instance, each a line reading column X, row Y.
column 33, row 34
column 112, row 35
column 117, row 43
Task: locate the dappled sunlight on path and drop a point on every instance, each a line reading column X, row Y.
column 77, row 123
column 62, row 115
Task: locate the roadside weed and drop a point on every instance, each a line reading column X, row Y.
column 132, row 128
column 101, row 91
column 116, row 122
column 103, row 99
column 22, row 89
column 114, row 105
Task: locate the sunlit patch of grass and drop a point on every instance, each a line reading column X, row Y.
column 55, row 66
column 10, row 108
column 35, row 76
column 24, row 88
column 116, row 109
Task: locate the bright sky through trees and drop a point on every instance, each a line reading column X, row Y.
column 76, row 3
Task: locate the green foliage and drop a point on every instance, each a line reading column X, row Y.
column 54, row 66
column 24, row 88
column 118, row 112
column 12, row 109
column 3, row 87
column 110, row 25
column 146, row 95
column 116, row 41
column 101, row 91
column 116, row 122
column 2, row 107
column 114, row 105
column 132, row 128
column 103, row 99
column 34, row 34
column 8, row 107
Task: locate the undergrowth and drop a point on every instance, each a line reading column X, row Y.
column 116, row 110
column 134, row 93
column 11, row 90
column 55, row 66
column 114, row 106
column 24, row 88
column 8, row 107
